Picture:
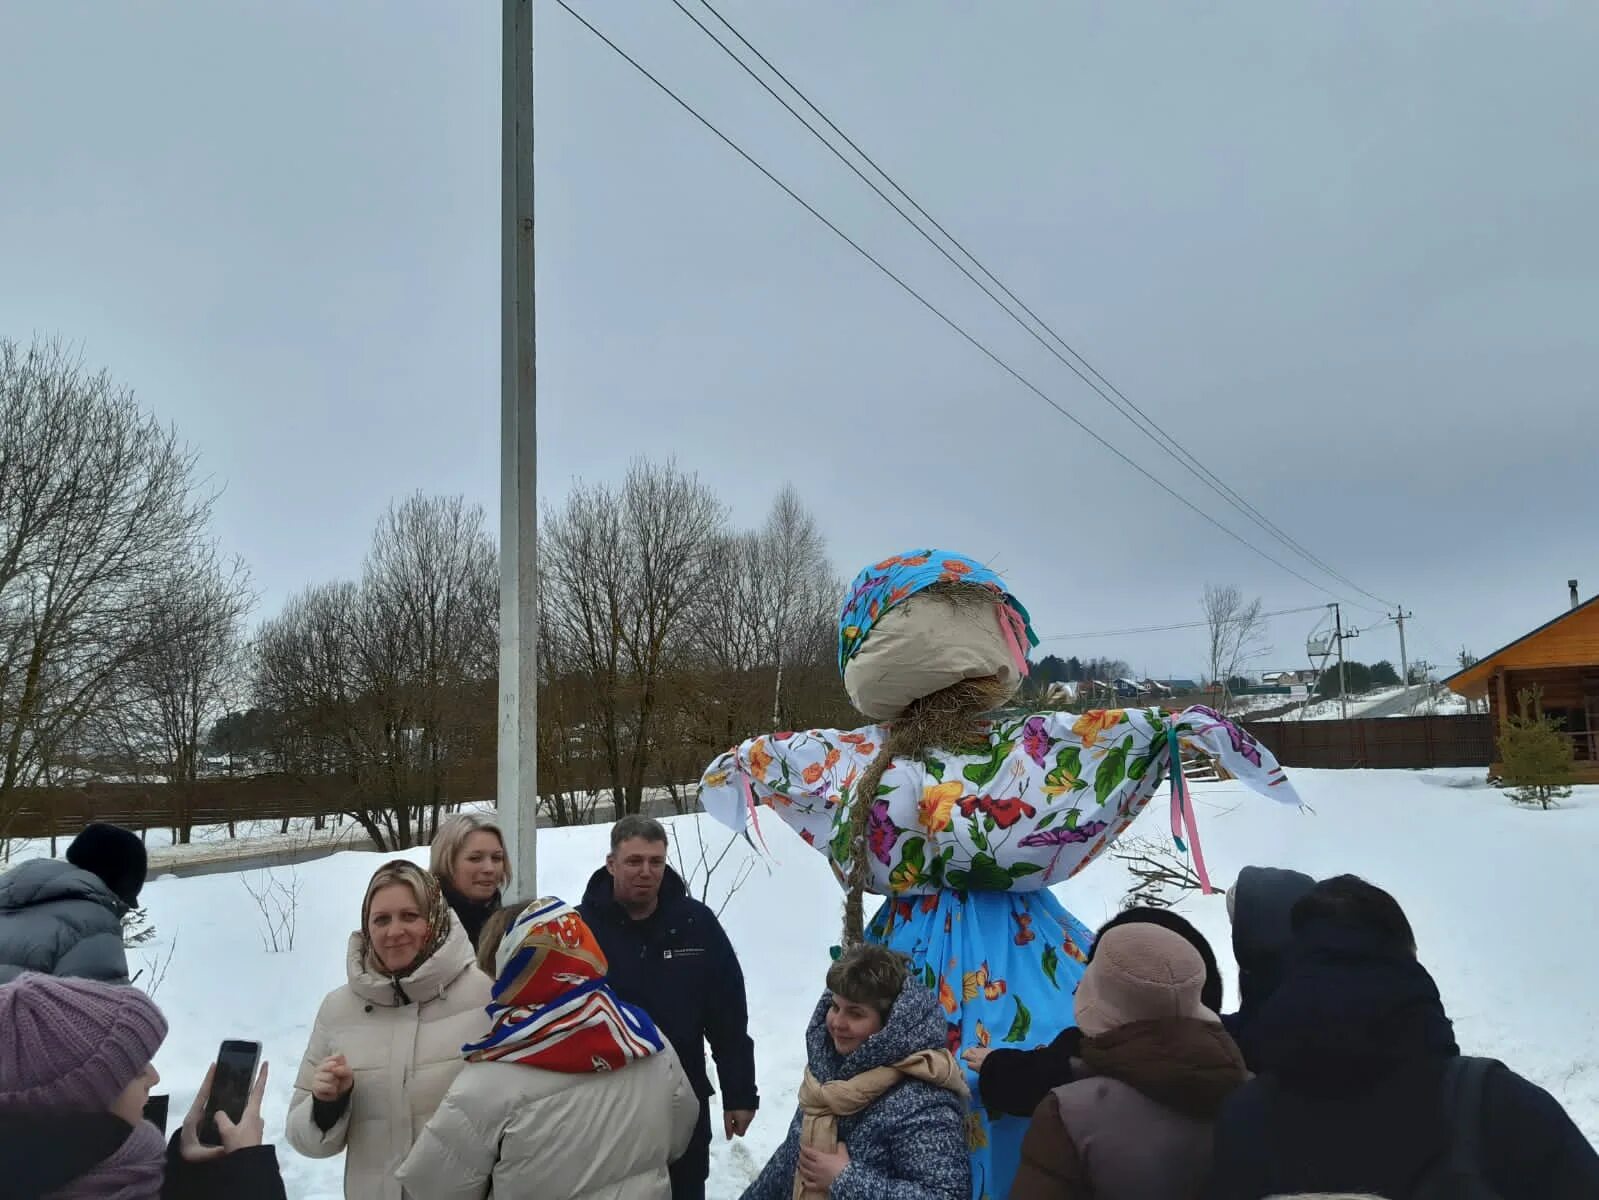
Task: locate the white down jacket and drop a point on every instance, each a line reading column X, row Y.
column 405, row 1054
column 518, row 1130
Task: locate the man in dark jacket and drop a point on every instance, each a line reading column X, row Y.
column 669, row 955
column 65, row 918
column 1260, row 904
column 1354, row 1049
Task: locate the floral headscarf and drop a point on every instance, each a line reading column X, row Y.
column 881, row 587
column 434, row 908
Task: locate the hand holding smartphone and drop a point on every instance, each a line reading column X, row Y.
column 231, row 1082
column 211, row 1105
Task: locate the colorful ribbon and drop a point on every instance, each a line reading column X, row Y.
column 1183, row 816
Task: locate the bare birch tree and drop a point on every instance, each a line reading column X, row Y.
column 794, row 570
column 1236, row 632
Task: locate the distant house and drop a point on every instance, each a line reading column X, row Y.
column 1561, row 658
column 1281, row 679
column 1179, row 685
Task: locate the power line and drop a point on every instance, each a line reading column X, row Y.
column 1145, row 424
column 1107, row 633
column 932, row 308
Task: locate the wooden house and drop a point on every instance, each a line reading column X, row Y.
column 1561, row 659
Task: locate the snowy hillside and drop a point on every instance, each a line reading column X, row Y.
column 1499, row 897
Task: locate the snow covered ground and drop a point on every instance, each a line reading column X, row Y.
column 1499, row 896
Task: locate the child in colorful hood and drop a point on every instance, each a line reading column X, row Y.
column 962, row 814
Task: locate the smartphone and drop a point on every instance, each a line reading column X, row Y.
column 230, row 1087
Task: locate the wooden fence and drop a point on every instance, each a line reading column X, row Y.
column 1380, row 742
column 51, row 812
column 1383, row 742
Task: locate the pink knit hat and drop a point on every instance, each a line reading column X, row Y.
column 1140, row 973
column 73, row 1044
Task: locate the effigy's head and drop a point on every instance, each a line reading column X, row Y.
column 917, row 624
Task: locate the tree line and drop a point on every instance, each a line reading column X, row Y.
column 1359, row 678
column 666, row 632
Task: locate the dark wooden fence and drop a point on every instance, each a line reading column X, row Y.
column 1383, row 742
column 51, row 812
column 43, row 812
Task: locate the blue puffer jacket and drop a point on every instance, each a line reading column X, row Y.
column 911, row 1143
column 58, row 919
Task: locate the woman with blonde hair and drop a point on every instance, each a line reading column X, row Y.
column 386, row 1045
column 472, row 868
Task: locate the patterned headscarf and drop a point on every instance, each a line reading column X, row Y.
column 428, row 895
column 552, row 1007
column 881, row 587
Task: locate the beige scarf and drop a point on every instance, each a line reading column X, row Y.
column 822, row 1104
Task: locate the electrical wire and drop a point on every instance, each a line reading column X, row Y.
column 1107, row 633
column 1145, row 424
column 927, row 304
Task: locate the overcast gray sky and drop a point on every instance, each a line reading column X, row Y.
column 1347, row 254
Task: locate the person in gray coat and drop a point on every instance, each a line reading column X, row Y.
column 65, row 918
column 883, row 1107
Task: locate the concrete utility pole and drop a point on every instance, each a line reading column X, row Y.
column 1399, row 619
column 518, row 791
column 1343, row 687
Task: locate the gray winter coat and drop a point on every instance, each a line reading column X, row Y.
column 911, row 1143
column 58, row 919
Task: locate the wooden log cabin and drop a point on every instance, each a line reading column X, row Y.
column 1562, row 659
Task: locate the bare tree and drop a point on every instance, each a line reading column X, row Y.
column 277, row 900
column 698, row 865
column 189, row 673
column 388, row 685
column 626, row 568
column 789, row 589
column 1236, row 633
column 99, row 505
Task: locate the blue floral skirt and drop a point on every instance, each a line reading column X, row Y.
column 1005, row 966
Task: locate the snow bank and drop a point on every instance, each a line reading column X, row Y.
column 1498, row 897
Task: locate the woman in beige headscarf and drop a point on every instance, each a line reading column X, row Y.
column 387, row 1044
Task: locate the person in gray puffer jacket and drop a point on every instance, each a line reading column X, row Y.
column 883, row 1108
column 65, row 918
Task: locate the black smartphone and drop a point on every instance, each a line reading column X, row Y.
column 230, row 1087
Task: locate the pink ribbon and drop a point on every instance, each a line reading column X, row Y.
column 1014, row 628
column 750, row 805
column 1184, row 819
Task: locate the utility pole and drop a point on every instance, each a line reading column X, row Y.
column 1399, row 619
column 1338, row 636
column 518, row 789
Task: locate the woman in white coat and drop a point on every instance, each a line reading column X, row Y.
column 386, row 1046
column 573, row 1093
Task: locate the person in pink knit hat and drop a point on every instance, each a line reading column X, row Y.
column 75, row 1073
